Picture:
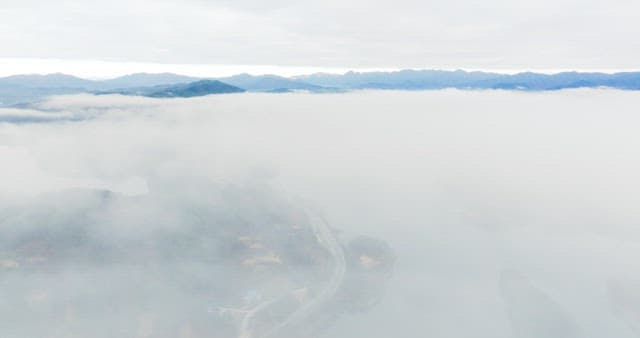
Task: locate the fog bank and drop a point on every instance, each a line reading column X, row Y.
column 509, row 214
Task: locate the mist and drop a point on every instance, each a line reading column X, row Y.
column 493, row 214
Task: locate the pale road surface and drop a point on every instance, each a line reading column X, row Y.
column 325, row 237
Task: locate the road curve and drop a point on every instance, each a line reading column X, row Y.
column 327, row 239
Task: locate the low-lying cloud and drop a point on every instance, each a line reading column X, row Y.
column 509, row 214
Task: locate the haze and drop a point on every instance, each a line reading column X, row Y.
column 510, row 214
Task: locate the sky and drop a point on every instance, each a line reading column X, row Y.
column 104, row 38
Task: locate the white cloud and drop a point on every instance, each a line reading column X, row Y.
column 462, row 184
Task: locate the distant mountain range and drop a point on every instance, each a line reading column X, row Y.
column 19, row 89
column 438, row 79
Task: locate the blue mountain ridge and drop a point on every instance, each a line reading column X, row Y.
column 30, row 87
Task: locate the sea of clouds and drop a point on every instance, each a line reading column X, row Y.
column 511, row 214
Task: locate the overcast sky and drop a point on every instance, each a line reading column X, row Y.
column 332, row 34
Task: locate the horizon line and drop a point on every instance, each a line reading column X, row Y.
column 104, row 70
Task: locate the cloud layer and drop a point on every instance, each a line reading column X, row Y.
column 565, row 34
column 511, row 214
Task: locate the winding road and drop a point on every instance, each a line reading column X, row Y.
column 327, row 239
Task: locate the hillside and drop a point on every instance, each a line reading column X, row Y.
column 198, row 88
